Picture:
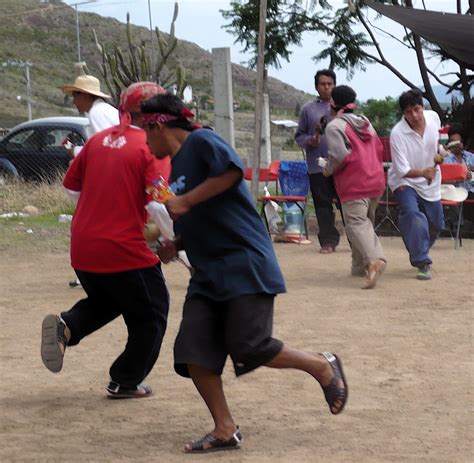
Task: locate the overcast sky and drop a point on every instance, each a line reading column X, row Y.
column 201, row 22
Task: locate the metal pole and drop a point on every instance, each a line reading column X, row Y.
column 28, row 91
column 151, row 40
column 259, row 98
column 78, row 36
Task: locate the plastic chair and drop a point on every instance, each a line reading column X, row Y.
column 294, row 184
column 266, row 174
column 452, row 174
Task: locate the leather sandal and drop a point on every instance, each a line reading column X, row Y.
column 214, row 444
column 333, row 392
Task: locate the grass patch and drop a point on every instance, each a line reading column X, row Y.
column 49, row 197
column 42, row 231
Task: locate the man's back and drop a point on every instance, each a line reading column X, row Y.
column 107, row 229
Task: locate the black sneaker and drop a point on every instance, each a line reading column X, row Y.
column 424, row 272
column 53, row 342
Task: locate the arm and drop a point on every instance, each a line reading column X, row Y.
column 211, row 187
column 303, row 136
column 338, row 147
column 401, row 164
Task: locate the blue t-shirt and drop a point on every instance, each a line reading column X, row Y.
column 224, row 237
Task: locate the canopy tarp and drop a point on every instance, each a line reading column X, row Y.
column 453, row 33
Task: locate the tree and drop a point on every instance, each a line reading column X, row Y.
column 383, row 114
column 368, row 50
column 346, row 48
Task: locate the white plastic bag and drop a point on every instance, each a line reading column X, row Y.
column 272, row 210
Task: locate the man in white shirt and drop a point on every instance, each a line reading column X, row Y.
column 415, row 181
column 88, row 99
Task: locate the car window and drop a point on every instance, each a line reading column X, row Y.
column 23, row 137
column 56, row 137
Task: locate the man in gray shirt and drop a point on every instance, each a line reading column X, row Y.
column 310, row 136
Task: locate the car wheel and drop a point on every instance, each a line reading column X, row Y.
column 6, row 175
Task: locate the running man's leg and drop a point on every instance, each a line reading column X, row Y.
column 414, row 226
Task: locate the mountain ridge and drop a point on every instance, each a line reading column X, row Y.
column 45, row 35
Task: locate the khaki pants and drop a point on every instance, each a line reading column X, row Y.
column 359, row 216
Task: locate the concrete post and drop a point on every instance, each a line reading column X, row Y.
column 266, row 153
column 223, row 97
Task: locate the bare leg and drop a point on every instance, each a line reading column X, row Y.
column 211, row 389
column 316, row 365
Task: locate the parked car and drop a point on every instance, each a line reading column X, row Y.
column 34, row 150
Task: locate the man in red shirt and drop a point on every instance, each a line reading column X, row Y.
column 118, row 271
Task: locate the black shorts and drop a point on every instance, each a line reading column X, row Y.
column 212, row 330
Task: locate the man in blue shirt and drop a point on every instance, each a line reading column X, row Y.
column 228, row 309
column 310, row 136
column 458, row 155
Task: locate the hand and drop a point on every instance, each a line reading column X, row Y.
column 177, row 206
column 429, row 173
column 315, row 140
column 167, row 251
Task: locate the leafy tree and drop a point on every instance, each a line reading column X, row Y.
column 345, row 48
column 383, row 114
column 368, row 50
column 286, row 22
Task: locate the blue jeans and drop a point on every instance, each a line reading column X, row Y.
column 420, row 223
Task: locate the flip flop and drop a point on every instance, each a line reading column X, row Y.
column 374, row 272
column 327, row 249
column 332, row 392
column 197, row 446
column 116, row 392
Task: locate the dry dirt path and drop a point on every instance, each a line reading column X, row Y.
column 407, row 348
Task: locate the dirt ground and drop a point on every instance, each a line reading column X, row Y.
column 406, row 346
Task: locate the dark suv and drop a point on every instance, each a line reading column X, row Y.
column 34, row 150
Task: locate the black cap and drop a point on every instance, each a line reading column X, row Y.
column 342, row 95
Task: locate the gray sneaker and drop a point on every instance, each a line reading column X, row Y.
column 53, row 342
column 424, row 272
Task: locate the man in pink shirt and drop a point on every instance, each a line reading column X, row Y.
column 355, row 161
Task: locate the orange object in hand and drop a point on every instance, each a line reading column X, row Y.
column 160, row 190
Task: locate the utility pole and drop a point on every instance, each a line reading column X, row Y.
column 26, row 65
column 78, row 35
column 259, row 98
column 151, row 42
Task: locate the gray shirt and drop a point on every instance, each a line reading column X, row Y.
column 310, row 119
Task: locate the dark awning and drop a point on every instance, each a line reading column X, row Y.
column 453, row 33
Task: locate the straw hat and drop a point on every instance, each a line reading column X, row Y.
column 85, row 84
column 452, row 193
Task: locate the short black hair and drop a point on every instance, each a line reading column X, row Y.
column 324, row 72
column 168, row 104
column 456, row 129
column 342, row 95
column 411, row 97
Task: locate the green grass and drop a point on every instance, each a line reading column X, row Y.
column 47, row 233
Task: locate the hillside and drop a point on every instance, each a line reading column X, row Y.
column 45, row 35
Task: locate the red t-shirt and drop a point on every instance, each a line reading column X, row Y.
column 107, row 227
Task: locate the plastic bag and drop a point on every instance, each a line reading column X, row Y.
column 272, row 210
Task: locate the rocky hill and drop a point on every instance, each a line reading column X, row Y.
column 45, row 35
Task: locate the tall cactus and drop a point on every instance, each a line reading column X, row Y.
column 119, row 72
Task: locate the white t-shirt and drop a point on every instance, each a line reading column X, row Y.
column 101, row 116
column 413, row 151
